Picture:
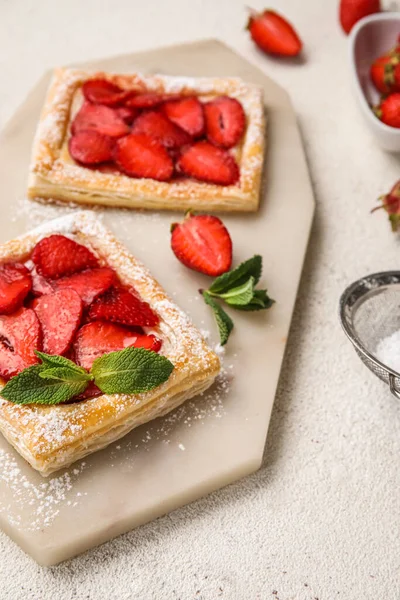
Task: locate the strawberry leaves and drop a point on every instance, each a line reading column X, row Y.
column 57, row 379
column 237, row 289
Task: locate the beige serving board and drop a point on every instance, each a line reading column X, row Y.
column 212, row 440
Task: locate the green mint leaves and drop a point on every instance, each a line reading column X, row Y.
column 57, row 379
column 130, row 371
column 237, row 289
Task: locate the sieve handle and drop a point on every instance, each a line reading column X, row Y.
column 393, row 389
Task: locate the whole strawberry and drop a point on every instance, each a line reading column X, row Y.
column 388, row 110
column 351, row 11
column 273, row 34
column 385, row 71
column 391, row 203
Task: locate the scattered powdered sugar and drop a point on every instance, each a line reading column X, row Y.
column 388, row 351
column 41, row 500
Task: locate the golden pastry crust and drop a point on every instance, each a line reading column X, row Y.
column 53, row 437
column 54, row 175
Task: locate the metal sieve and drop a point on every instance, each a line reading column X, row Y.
column 369, row 312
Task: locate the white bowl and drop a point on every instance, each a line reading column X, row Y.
column 371, row 37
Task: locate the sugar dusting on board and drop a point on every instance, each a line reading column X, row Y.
column 41, row 499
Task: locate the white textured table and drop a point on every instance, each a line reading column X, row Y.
column 321, row 518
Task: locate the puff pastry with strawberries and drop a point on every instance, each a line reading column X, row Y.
column 154, row 142
column 72, row 296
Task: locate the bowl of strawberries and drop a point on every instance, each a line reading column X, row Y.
column 375, row 59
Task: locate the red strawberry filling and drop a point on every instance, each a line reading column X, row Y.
column 63, row 303
column 127, row 131
column 15, row 284
column 59, row 315
column 20, row 335
column 98, row 338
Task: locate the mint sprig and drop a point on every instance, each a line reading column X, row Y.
column 237, row 289
column 57, row 379
column 130, row 371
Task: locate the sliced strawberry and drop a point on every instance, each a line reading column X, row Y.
column 274, row 34
column 15, row 283
column 59, row 315
column 140, row 155
column 120, row 306
column 202, row 243
column 103, row 119
column 225, row 121
column 147, row 100
column 157, row 125
column 208, row 163
column 40, row 285
column 89, row 147
column 20, row 335
column 101, row 91
column 57, row 255
column 187, row 113
column 98, row 338
column 89, row 284
column 127, row 114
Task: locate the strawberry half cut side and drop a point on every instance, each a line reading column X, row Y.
column 202, row 243
column 102, row 119
column 206, row 162
column 101, row 91
column 15, row 284
column 57, row 255
column 158, row 126
column 225, row 121
column 120, row 306
column 89, row 147
column 59, row 315
column 20, row 335
column 89, row 284
column 187, row 113
column 98, row 338
column 139, row 155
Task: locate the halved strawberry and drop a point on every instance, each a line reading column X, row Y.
column 120, row 306
column 20, row 335
column 89, row 147
column 187, row 113
column 202, row 243
column 103, row 119
column 98, row 338
column 147, row 100
column 157, row 125
column 15, row 283
column 127, row 114
column 101, row 91
column 92, row 391
column 57, row 255
column 140, row 155
column 59, row 315
column 225, row 121
column 89, row 284
column 206, row 162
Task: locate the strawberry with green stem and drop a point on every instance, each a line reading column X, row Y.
column 391, row 203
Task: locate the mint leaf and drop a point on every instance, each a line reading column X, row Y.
column 64, row 374
column 259, row 301
column 238, row 276
column 30, row 388
column 224, row 322
column 240, row 295
column 130, row 371
column 53, row 360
